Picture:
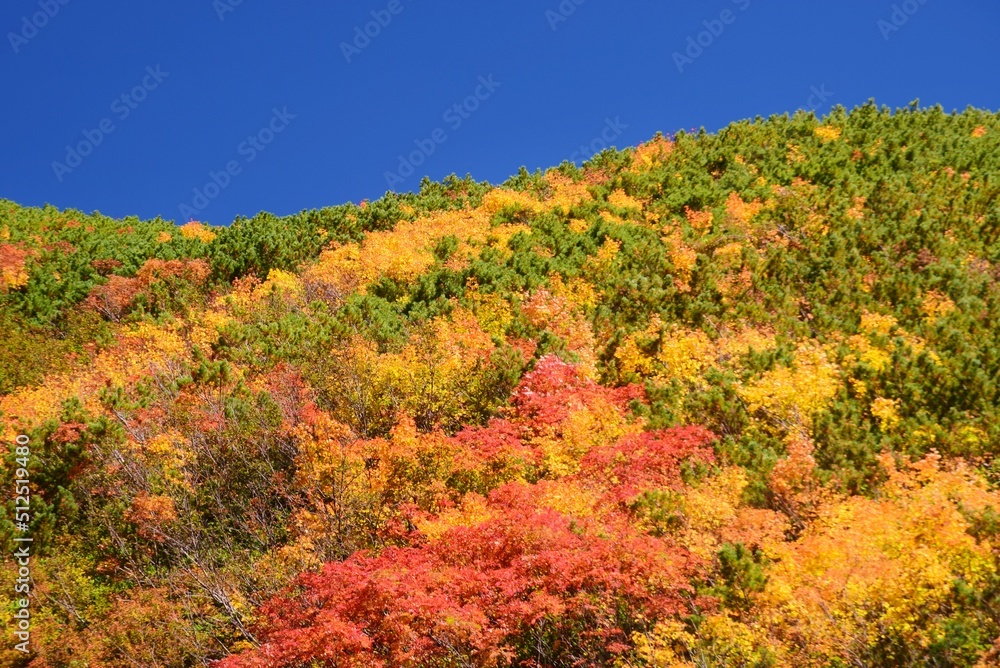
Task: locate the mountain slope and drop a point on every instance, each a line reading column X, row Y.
column 715, row 400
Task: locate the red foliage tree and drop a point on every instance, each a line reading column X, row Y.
column 553, row 388
column 530, row 583
column 649, row 460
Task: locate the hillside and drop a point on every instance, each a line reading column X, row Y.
column 717, row 400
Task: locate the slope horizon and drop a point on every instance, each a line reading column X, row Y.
column 915, row 105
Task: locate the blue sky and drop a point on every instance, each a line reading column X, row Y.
column 129, row 108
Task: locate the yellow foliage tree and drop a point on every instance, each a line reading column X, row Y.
column 651, row 155
column 407, row 251
column 869, row 570
column 790, row 396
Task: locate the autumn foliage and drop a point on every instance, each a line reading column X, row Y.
column 715, row 401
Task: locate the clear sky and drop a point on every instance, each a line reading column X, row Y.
column 129, row 107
